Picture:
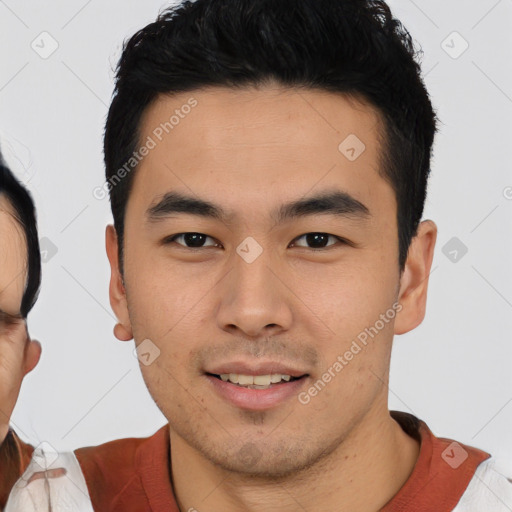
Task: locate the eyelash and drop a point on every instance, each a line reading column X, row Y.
column 172, row 238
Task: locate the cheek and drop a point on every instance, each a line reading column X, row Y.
column 353, row 317
column 346, row 297
column 167, row 306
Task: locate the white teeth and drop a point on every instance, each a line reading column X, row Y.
column 245, row 380
column 263, row 380
column 256, row 381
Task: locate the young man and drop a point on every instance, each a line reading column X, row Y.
column 267, row 164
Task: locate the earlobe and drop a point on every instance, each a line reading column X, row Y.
column 117, row 292
column 414, row 280
column 122, row 333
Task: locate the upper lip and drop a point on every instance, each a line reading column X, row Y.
column 256, row 368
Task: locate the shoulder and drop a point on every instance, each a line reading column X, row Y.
column 490, row 489
column 112, row 467
column 444, row 472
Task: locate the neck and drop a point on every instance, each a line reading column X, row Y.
column 362, row 474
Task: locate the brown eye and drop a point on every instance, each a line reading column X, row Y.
column 318, row 241
column 191, row 240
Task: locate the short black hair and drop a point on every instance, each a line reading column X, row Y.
column 351, row 47
column 25, row 213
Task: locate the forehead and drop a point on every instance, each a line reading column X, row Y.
column 10, row 228
column 12, row 258
column 258, row 144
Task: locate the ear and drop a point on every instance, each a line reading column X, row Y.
column 414, row 279
column 117, row 292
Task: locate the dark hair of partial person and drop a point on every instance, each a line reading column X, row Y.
column 351, row 47
column 23, row 206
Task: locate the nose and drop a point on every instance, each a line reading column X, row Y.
column 255, row 298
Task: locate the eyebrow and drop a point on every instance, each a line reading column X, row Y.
column 331, row 202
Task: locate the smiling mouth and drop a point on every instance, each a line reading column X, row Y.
column 256, row 381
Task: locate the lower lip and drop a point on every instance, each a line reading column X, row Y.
column 256, row 399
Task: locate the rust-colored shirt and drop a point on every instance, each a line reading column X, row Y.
column 133, row 475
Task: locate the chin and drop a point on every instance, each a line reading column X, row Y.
column 267, row 460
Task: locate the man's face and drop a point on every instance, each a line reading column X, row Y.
column 13, row 259
column 253, row 292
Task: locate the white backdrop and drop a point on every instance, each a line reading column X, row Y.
column 454, row 371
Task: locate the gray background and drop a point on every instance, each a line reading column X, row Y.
column 454, row 371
